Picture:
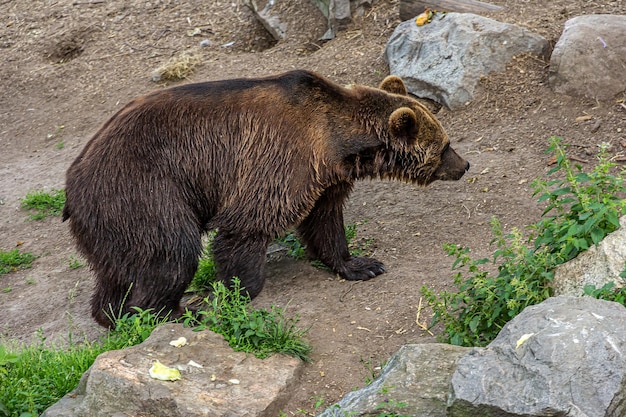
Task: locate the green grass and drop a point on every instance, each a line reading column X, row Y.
column 75, row 262
column 42, row 203
column 14, row 260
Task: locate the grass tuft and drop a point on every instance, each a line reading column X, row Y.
column 261, row 332
column 14, row 259
column 44, row 203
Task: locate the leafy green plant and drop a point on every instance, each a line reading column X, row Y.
column 295, row 248
column 319, row 401
column 485, row 302
column 14, row 259
column 261, row 332
column 607, row 292
column 44, row 203
column 133, row 328
column 581, row 209
column 388, row 406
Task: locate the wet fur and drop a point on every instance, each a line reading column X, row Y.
column 249, row 157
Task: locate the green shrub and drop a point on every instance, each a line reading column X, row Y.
column 44, row 203
column 582, row 208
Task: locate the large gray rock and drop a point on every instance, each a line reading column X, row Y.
column 590, row 57
column 215, row 380
column 564, row 357
column 445, row 59
column 596, row 266
column 417, row 376
column 266, row 13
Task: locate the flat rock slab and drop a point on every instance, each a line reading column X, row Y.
column 215, row 380
column 445, row 59
column 590, row 57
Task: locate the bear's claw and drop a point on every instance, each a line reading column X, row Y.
column 361, row 269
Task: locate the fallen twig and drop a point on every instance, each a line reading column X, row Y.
column 417, row 319
column 90, row 2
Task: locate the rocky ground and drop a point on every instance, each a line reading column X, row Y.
column 68, row 65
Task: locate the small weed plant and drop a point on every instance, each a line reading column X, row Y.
column 258, row 331
column 608, row 292
column 14, row 260
column 295, row 248
column 75, row 262
column 582, row 208
column 42, row 203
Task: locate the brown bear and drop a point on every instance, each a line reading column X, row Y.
column 250, row 158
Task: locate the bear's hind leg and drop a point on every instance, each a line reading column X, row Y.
column 323, row 233
column 156, row 281
column 241, row 256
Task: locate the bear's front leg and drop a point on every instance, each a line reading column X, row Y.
column 241, row 256
column 323, row 233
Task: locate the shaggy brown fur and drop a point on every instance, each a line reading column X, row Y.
column 250, row 158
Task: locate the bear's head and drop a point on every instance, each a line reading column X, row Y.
column 417, row 141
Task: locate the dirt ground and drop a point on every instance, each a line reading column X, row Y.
column 68, row 65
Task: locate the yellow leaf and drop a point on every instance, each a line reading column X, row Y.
column 181, row 341
column 164, row 373
column 523, row 339
column 423, row 18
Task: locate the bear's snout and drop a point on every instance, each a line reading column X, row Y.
column 452, row 167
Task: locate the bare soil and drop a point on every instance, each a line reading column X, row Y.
column 68, row 65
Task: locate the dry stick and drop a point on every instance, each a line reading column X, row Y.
column 417, row 319
column 81, row 3
column 577, row 159
column 343, row 296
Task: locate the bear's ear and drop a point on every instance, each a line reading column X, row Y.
column 393, row 84
column 403, row 125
